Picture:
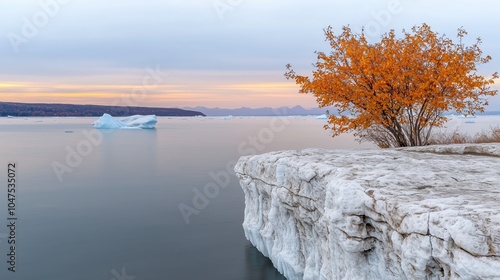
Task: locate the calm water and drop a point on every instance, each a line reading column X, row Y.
column 116, row 214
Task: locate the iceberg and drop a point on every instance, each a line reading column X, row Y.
column 132, row 122
column 412, row 213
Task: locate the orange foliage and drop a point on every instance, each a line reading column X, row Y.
column 395, row 91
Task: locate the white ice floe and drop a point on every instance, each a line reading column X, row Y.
column 418, row 213
column 322, row 117
column 132, row 122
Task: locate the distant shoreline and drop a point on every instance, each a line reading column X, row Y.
column 16, row 109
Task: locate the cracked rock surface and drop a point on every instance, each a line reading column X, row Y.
column 415, row 213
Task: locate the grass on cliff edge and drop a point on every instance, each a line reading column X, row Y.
column 456, row 137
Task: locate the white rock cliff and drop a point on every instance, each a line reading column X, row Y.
column 376, row 214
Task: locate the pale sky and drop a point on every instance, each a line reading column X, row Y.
column 214, row 53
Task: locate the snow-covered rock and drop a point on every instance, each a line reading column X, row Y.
column 136, row 121
column 376, row 214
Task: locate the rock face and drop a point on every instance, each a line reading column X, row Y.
column 420, row 213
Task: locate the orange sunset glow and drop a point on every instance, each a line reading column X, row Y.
column 190, row 53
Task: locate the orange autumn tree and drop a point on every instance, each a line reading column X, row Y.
column 394, row 92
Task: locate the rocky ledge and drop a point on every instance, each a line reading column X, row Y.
column 416, row 213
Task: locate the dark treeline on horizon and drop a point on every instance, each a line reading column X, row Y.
column 70, row 110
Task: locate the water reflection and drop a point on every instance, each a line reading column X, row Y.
column 258, row 266
column 119, row 206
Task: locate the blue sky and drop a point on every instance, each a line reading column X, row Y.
column 226, row 53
